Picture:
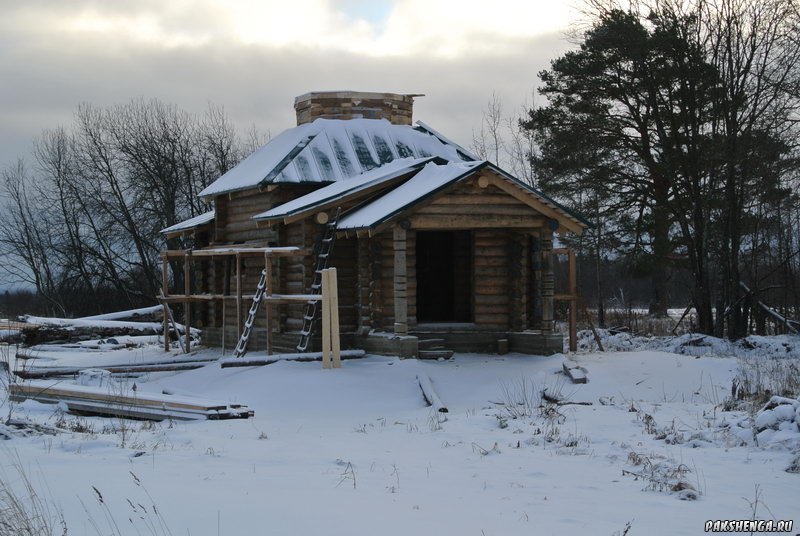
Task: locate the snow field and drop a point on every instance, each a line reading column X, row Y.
column 355, row 451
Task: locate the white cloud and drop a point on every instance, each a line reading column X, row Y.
column 431, row 28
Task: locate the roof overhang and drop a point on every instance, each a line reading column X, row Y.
column 190, row 226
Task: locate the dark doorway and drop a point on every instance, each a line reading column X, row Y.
column 444, row 276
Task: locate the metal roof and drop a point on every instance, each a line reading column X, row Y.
column 345, row 188
column 329, row 150
column 191, row 223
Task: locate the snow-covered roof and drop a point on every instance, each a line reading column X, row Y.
column 346, row 187
column 330, row 150
column 432, row 178
column 436, row 177
column 191, row 223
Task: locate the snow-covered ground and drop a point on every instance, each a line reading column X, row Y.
column 356, row 451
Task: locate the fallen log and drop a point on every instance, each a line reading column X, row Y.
column 429, row 394
column 270, row 359
column 146, row 312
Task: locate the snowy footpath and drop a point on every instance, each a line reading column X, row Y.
column 643, row 447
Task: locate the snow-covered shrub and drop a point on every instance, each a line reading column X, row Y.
column 778, row 423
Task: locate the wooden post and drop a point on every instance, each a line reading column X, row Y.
column 165, row 293
column 333, row 288
column 239, row 325
column 517, row 270
column 400, row 282
column 187, row 283
column 267, row 292
column 573, row 303
column 224, row 318
column 548, row 281
column 375, row 277
column 536, row 283
column 326, row 319
column 363, row 287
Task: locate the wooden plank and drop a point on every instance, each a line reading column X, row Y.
column 301, row 357
column 326, row 319
column 31, row 389
column 334, row 311
column 152, row 406
column 29, row 373
column 574, row 372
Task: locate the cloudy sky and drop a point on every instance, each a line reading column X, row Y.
column 254, row 56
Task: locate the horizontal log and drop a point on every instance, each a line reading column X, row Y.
column 490, row 299
column 491, row 309
column 490, row 261
column 487, row 210
column 474, row 197
column 495, row 250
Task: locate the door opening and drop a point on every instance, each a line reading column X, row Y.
column 444, row 276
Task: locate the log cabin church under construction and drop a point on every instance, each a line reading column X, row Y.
column 429, row 241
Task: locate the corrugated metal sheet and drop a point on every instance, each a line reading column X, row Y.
column 329, row 150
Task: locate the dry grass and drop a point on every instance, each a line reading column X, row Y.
column 24, row 511
column 759, row 378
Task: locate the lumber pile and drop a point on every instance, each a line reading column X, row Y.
column 128, row 403
column 270, row 359
column 33, row 372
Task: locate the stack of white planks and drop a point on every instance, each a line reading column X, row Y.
column 118, row 401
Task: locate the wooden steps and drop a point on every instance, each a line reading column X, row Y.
column 430, row 343
column 128, row 403
column 435, row 354
column 433, row 349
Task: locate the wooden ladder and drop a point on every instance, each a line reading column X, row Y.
column 323, row 250
column 241, row 346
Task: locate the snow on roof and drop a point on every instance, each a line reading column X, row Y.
column 346, row 186
column 330, row 150
column 465, row 153
column 432, row 178
column 191, row 223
